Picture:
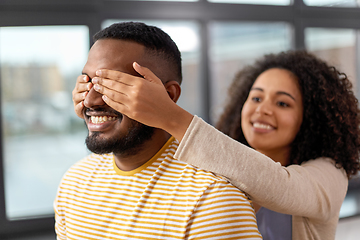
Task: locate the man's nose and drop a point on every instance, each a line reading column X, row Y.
column 93, row 99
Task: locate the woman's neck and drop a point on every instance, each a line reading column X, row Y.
column 278, row 155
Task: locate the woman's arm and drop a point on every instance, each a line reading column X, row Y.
column 316, row 189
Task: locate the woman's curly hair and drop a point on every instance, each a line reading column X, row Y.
column 331, row 118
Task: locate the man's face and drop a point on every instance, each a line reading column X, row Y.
column 109, row 130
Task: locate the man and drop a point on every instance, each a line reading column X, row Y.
column 131, row 187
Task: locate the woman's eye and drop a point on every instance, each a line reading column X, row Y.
column 256, row 99
column 282, row 104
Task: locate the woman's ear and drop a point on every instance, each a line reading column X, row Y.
column 174, row 90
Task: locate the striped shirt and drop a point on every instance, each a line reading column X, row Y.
column 162, row 199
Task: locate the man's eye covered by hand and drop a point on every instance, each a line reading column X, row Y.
column 82, row 87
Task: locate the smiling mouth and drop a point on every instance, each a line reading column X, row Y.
column 262, row 126
column 102, row 119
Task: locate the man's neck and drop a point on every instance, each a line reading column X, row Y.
column 145, row 153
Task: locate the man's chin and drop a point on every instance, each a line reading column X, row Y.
column 127, row 145
column 96, row 144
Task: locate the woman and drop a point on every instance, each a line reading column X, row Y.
column 298, row 113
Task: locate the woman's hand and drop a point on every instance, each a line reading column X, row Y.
column 79, row 93
column 146, row 100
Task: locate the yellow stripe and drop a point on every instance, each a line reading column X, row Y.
column 165, row 188
column 103, row 201
column 115, row 231
column 123, row 236
column 102, row 224
column 115, row 210
column 248, row 236
column 250, row 219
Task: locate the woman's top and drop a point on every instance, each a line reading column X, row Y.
column 273, row 225
column 312, row 192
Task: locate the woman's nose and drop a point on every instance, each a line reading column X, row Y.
column 264, row 108
column 93, row 99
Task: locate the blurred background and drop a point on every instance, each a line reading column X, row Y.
column 43, row 48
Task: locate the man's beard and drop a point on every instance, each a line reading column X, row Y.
column 127, row 145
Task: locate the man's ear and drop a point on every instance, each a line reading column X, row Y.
column 174, row 90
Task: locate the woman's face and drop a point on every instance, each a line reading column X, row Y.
column 272, row 114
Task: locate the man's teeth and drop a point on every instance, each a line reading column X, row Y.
column 262, row 126
column 101, row 119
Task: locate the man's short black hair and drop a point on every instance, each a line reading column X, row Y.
column 153, row 38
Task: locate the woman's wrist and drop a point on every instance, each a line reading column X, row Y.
column 178, row 123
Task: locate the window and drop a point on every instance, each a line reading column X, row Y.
column 234, row 45
column 42, row 137
column 337, row 47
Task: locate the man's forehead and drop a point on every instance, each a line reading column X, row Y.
column 111, row 47
column 117, row 45
column 114, row 54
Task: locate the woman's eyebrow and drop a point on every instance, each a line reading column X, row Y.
column 256, row 88
column 278, row 93
column 285, row 93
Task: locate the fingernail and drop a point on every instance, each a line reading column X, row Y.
column 104, row 98
column 85, row 78
column 98, row 72
column 138, row 65
column 97, row 87
column 95, row 80
column 88, row 86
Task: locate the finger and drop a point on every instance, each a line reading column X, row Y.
column 82, row 87
column 83, row 78
column 79, row 93
column 78, row 97
column 109, row 83
column 111, row 93
column 113, row 75
column 146, row 73
column 118, row 106
column 79, row 109
column 118, row 86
